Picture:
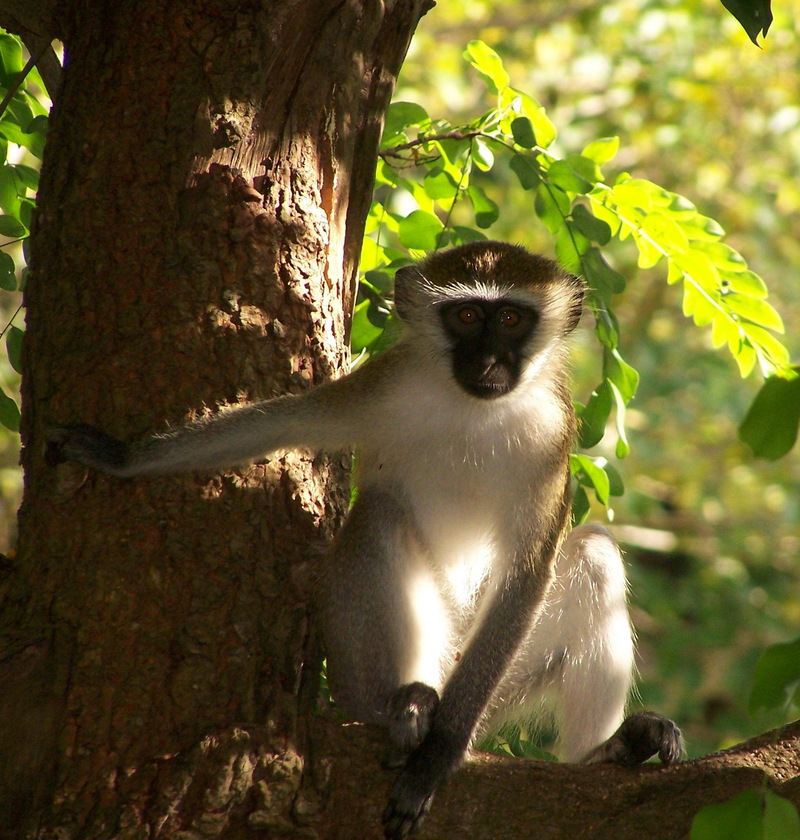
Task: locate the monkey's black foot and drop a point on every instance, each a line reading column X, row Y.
column 87, row 445
column 640, row 737
column 409, row 803
column 410, row 712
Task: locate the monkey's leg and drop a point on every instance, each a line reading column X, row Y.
column 384, row 624
column 586, row 625
column 587, row 631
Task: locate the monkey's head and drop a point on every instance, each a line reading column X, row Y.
column 494, row 308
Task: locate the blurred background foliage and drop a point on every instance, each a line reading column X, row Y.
column 712, row 535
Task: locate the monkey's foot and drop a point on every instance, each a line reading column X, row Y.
column 640, row 737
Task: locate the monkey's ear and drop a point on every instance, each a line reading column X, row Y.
column 406, row 284
column 577, row 289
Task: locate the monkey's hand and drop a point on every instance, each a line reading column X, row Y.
column 425, row 770
column 88, row 446
column 639, row 737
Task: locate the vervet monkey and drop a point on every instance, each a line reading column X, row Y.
column 455, row 597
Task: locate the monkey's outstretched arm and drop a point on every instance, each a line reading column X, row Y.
column 332, row 416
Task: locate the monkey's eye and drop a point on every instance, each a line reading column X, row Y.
column 509, row 317
column 469, row 315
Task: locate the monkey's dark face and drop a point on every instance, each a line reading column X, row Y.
column 488, row 343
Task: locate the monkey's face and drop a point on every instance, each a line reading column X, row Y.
column 488, row 340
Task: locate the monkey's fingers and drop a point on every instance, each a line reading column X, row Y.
column 84, row 444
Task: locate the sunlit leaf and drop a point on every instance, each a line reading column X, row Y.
column 418, row 231
column 488, row 64
column 665, row 232
column 14, row 338
column 482, row 154
column 755, row 310
column 602, row 150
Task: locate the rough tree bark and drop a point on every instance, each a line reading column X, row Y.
column 200, row 216
column 201, row 209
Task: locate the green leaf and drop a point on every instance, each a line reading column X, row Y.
column 603, row 280
column 28, row 176
column 777, row 671
column 697, row 305
column 571, row 244
column 9, row 412
column 460, row 235
column 528, row 107
column 740, row 818
column 11, row 63
column 744, row 282
column 419, row 231
column 563, row 175
column 665, row 232
column 400, row 116
column 781, row 819
column 14, row 339
column 755, row 310
column 12, row 228
column 602, row 150
column 482, row 154
column 622, row 449
column 590, row 226
column 586, row 467
column 488, row 64
column 526, row 169
column 771, row 423
column 621, row 374
column 552, row 206
column 439, row 185
column 755, row 16
column 580, row 505
column 594, row 417
column 486, row 211
column 8, row 277
column 522, row 132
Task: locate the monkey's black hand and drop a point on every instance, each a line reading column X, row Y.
column 639, row 737
column 410, row 714
column 426, row 769
column 88, row 446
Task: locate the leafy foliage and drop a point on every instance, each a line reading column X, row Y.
column 431, row 193
column 752, row 815
column 23, row 127
column 777, row 678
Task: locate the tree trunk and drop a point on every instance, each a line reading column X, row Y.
column 200, row 216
